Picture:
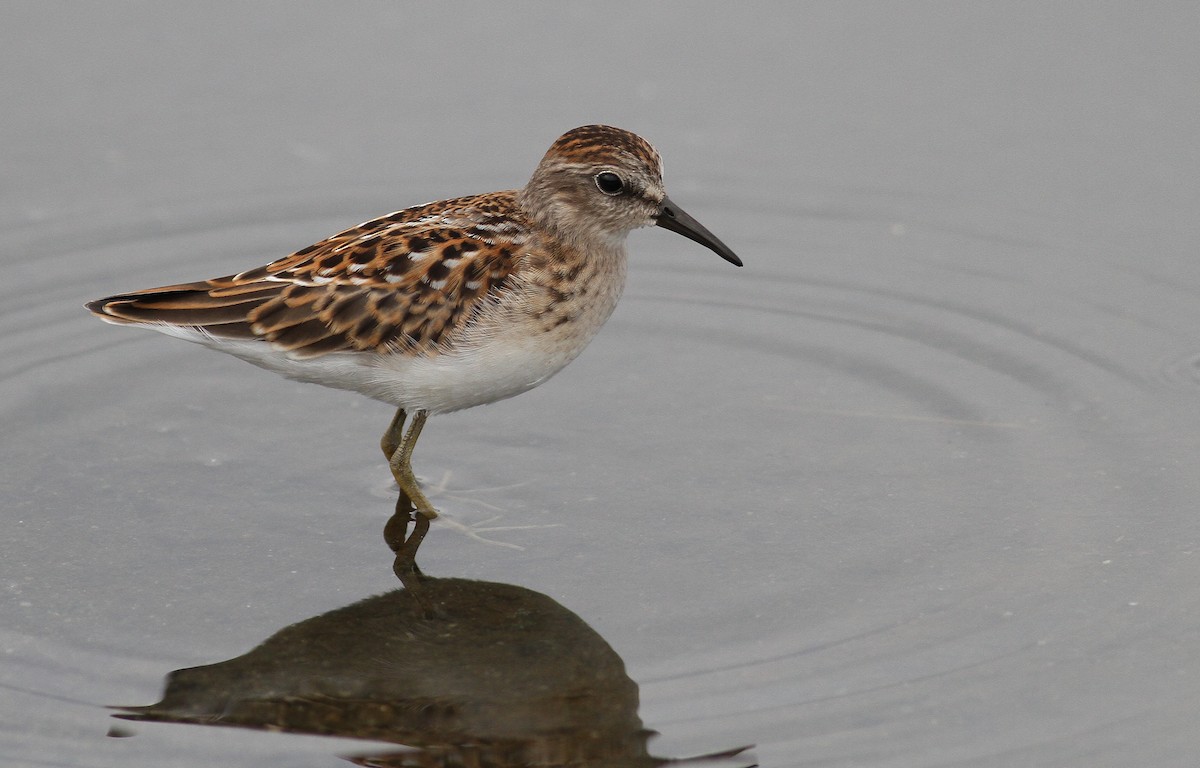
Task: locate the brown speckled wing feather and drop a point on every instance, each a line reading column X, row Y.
column 405, row 281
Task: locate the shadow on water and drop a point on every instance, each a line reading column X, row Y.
column 458, row 672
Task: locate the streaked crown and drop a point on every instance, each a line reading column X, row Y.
column 604, row 144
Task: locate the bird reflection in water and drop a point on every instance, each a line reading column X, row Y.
column 458, row 672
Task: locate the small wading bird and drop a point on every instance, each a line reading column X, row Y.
column 446, row 305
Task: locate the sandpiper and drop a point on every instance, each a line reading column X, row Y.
column 445, row 305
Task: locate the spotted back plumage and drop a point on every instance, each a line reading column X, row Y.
column 403, row 282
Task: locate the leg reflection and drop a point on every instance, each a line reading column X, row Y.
column 398, row 539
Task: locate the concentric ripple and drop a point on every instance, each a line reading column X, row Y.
column 871, row 500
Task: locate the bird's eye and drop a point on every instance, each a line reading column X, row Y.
column 609, row 183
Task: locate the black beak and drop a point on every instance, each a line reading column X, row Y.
column 673, row 218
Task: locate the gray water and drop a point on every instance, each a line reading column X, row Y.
column 917, row 486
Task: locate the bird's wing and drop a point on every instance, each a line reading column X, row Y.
column 400, row 282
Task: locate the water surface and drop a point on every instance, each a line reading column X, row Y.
column 915, row 487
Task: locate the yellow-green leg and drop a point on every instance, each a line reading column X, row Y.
column 399, row 453
column 394, row 436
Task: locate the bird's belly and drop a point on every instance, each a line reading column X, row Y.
column 465, row 378
column 437, row 384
